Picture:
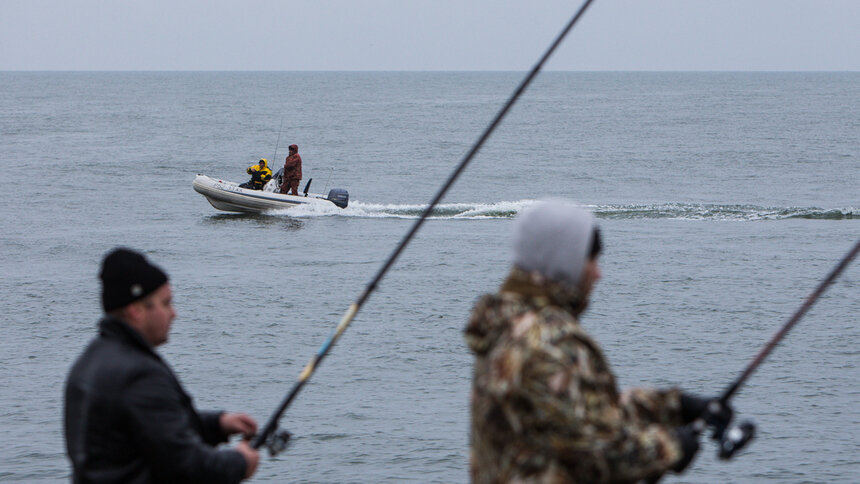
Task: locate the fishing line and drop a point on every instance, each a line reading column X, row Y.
column 279, row 441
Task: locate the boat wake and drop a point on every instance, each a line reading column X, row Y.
column 503, row 210
column 693, row 211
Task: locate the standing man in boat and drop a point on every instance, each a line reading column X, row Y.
column 260, row 175
column 292, row 171
column 127, row 418
column 545, row 406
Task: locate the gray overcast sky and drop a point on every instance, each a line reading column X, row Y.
column 427, row 35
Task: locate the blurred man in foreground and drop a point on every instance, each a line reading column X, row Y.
column 545, row 405
column 127, row 418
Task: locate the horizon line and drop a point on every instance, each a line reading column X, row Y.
column 441, row 70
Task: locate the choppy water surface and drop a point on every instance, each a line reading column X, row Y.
column 724, row 199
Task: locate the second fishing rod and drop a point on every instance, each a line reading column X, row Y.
column 277, row 441
column 730, row 438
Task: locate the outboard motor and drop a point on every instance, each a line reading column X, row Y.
column 339, row 197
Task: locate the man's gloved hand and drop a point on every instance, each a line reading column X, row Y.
column 715, row 414
column 689, row 440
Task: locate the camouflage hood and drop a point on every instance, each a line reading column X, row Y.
column 522, row 291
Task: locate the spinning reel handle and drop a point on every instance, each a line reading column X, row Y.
column 730, row 438
column 735, row 438
column 278, row 442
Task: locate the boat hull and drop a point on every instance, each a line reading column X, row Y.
column 230, row 197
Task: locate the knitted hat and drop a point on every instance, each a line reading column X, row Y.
column 127, row 277
column 554, row 239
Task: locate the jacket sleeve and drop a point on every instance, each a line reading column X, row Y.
column 212, row 433
column 573, row 411
column 161, row 425
column 659, row 406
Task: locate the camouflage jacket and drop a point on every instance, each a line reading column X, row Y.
column 545, row 405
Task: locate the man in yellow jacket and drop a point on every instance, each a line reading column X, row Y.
column 260, row 175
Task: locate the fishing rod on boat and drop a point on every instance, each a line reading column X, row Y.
column 280, row 128
column 731, row 439
column 276, row 440
column 330, row 173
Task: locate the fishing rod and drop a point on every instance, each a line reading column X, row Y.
column 280, row 128
column 810, row 300
column 738, row 436
column 277, row 441
column 732, row 439
column 331, row 171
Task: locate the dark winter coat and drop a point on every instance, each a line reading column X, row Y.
column 293, row 166
column 128, row 420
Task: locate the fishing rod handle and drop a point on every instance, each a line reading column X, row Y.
column 266, row 436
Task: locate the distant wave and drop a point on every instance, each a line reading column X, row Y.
column 678, row 211
column 693, row 211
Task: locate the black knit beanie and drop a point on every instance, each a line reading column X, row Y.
column 126, row 277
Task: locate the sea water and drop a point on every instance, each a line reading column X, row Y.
column 724, row 198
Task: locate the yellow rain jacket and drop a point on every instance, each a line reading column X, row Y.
column 260, row 174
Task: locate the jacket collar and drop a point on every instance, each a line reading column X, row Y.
column 111, row 327
column 534, row 286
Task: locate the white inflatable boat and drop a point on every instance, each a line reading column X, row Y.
column 230, row 197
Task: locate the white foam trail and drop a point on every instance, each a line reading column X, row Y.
column 358, row 209
column 310, row 210
column 510, row 209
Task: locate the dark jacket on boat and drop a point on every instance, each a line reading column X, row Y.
column 128, row 420
column 293, row 164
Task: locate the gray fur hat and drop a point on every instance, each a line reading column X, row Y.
column 554, row 238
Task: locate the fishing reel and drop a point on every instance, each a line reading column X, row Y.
column 734, row 439
column 278, row 442
column 729, row 438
